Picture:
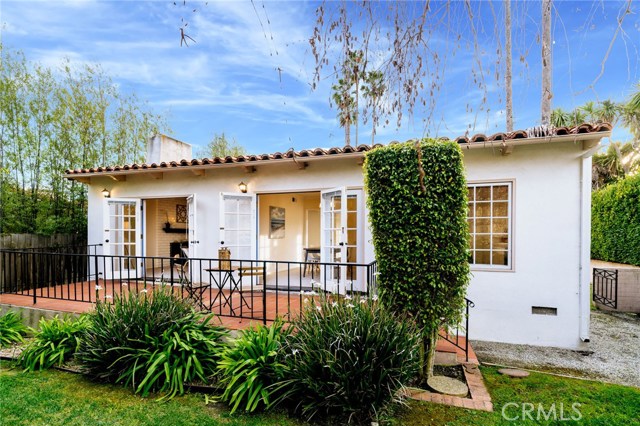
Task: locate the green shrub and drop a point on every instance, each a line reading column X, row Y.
column 150, row 342
column 12, row 330
column 615, row 222
column 420, row 232
column 348, row 359
column 250, row 367
column 56, row 341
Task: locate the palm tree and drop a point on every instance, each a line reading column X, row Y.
column 560, row 118
column 577, row 117
column 344, row 101
column 508, row 74
column 373, row 89
column 355, row 70
column 607, row 112
column 630, row 115
column 547, row 90
column 589, row 110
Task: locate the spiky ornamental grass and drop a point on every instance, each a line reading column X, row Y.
column 54, row 343
column 251, row 367
column 347, row 360
column 150, row 342
column 12, row 330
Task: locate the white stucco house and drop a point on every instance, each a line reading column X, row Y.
column 529, row 216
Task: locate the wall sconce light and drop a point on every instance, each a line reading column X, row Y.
column 243, row 187
column 106, row 193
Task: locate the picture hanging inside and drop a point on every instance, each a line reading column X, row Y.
column 276, row 222
column 181, row 213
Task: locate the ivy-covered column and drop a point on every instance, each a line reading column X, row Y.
column 420, row 233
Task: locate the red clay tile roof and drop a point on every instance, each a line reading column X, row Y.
column 320, row 152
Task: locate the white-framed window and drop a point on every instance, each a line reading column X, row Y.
column 489, row 216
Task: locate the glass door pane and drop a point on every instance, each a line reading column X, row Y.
column 122, row 238
column 238, row 228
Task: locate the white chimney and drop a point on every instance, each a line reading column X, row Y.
column 164, row 148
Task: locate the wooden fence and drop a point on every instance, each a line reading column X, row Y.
column 20, row 241
column 16, row 268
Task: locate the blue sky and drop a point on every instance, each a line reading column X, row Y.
column 228, row 81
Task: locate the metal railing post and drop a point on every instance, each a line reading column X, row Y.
column 466, row 332
column 35, row 296
column 264, row 293
column 95, row 261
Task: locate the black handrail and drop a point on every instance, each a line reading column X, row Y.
column 460, row 331
column 76, row 274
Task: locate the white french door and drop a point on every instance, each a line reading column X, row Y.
column 340, row 239
column 191, row 226
column 238, row 225
column 122, row 238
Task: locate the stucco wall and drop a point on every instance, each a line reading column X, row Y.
column 546, row 248
column 269, row 178
column 546, row 226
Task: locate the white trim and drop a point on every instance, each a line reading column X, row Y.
column 584, row 278
column 510, row 267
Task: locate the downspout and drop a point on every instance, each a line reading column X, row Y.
column 584, row 277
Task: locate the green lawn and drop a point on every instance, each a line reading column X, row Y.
column 600, row 404
column 56, row 398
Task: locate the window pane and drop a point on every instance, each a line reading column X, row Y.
column 352, row 204
column 483, row 193
column 470, row 212
column 483, row 226
column 500, row 209
column 483, row 257
column 470, row 222
column 483, row 241
column 483, row 209
column 500, row 258
column 501, row 192
column 500, row 226
column 500, row 242
column 470, row 194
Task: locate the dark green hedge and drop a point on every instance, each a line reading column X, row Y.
column 615, row 222
column 420, row 238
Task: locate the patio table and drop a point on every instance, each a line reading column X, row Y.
column 222, row 277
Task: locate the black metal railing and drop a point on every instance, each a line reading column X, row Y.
column 460, row 337
column 605, row 287
column 240, row 288
column 260, row 290
column 23, row 268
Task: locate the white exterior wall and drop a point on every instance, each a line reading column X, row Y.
column 546, row 229
column 546, row 247
column 269, row 178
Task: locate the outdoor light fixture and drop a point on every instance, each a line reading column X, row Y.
column 106, row 193
column 243, row 187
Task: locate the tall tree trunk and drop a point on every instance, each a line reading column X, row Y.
column 429, row 341
column 347, row 133
column 508, row 74
column 547, row 92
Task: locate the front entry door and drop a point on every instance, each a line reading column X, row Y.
column 340, row 239
column 122, row 238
